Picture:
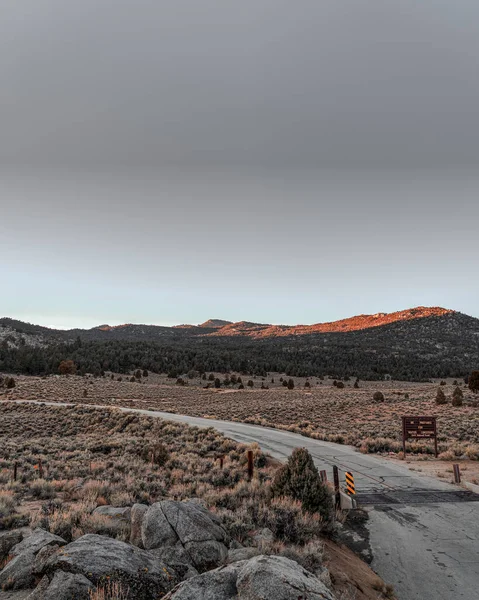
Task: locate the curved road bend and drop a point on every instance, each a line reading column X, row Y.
column 424, row 533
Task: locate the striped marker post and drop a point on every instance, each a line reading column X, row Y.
column 350, row 484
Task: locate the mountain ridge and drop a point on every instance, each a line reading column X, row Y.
column 222, row 328
column 416, row 344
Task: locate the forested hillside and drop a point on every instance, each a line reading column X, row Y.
column 411, row 349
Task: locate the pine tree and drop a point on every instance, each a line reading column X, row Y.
column 67, row 367
column 457, row 397
column 299, row 479
column 440, row 397
column 474, row 381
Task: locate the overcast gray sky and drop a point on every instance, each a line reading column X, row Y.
column 171, row 161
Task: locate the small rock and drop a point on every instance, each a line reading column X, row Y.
column 206, row 555
column 43, row 556
column 9, row 539
column 138, row 512
column 177, row 558
column 114, row 512
column 17, row 574
column 64, row 586
column 241, row 554
column 264, row 535
column 39, row 592
column 324, row 576
column 37, row 540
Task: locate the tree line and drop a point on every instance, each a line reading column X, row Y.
column 341, row 357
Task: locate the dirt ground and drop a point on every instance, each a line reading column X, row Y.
column 443, row 469
column 352, row 577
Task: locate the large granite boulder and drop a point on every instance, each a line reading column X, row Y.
column 63, row 586
column 260, row 578
column 99, row 557
column 18, row 572
column 278, row 578
column 219, row 584
column 189, row 524
column 156, row 530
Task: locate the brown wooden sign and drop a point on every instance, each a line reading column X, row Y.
column 419, row 428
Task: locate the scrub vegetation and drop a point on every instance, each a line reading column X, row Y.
column 364, row 414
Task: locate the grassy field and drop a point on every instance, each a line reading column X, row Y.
column 322, row 411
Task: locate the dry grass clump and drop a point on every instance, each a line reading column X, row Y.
column 7, row 503
column 112, row 590
column 250, row 506
column 71, row 521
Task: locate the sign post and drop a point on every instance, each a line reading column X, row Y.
column 419, row 428
column 457, row 473
column 351, row 490
column 336, row 486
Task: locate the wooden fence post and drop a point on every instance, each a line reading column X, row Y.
column 457, row 473
column 336, row 486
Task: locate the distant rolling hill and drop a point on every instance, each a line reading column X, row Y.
column 417, row 343
column 220, row 328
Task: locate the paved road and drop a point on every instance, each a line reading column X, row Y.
column 424, row 533
column 427, row 546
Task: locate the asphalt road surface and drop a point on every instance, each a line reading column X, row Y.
column 423, row 533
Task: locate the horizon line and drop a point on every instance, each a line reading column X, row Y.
column 170, row 324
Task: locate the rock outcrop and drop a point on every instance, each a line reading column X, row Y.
column 189, row 525
column 18, row 573
column 260, row 578
column 98, row 557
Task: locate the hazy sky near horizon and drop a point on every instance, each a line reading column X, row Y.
column 174, row 161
